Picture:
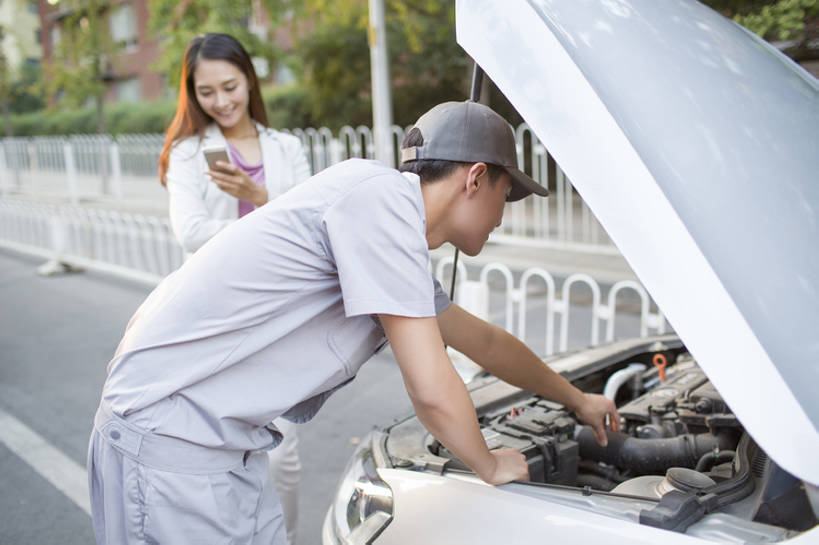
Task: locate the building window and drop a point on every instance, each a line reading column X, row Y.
column 129, row 90
column 124, row 26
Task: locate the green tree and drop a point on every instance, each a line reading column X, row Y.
column 177, row 23
column 83, row 60
column 20, row 88
column 5, row 87
column 779, row 20
column 26, row 91
column 332, row 59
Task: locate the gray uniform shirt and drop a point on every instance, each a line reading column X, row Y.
column 277, row 311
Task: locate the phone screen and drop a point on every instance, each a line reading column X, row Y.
column 213, row 155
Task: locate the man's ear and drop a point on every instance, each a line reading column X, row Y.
column 476, row 175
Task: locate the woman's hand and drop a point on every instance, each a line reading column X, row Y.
column 234, row 181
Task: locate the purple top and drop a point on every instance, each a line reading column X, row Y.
column 256, row 173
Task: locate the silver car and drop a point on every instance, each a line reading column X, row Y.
column 696, row 145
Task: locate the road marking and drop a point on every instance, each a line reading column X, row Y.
column 64, row 473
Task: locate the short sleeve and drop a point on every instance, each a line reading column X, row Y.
column 377, row 237
column 442, row 300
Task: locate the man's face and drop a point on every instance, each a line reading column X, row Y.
column 482, row 213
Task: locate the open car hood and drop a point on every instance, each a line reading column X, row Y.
column 696, row 145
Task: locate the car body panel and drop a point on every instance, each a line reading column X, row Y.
column 694, row 144
column 463, row 509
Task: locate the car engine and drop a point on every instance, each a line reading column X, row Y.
column 679, row 422
column 677, row 435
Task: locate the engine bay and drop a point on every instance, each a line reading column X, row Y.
column 679, row 442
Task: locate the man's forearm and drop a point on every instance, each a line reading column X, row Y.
column 512, row 361
column 509, row 359
column 437, row 393
column 449, row 415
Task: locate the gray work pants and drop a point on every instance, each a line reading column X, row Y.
column 148, row 488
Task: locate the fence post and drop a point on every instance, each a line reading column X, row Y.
column 70, row 173
column 336, row 152
column 17, row 167
column 3, row 170
column 56, row 265
column 473, row 297
column 116, row 172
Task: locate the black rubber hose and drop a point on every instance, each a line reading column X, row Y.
column 648, row 455
column 710, row 459
column 609, row 473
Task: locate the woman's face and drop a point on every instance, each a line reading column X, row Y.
column 222, row 91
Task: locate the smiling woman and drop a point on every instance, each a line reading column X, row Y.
column 220, row 109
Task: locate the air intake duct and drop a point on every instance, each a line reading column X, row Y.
column 649, row 455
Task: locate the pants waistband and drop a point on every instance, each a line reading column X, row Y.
column 163, row 452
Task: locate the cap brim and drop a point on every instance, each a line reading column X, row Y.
column 523, row 185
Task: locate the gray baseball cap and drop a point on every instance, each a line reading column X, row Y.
column 470, row 132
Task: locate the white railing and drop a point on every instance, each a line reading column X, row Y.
column 144, row 249
column 536, row 296
column 138, row 247
column 123, row 168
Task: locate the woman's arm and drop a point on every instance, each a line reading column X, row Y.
column 192, row 222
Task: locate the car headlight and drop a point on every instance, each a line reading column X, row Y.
column 363, row 504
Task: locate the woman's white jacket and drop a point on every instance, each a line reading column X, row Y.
column 198, row 208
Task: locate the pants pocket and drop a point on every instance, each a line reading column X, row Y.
column 218, row 508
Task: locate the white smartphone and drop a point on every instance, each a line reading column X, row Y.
column 216, row 154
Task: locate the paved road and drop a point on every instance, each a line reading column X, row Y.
column 57, row 335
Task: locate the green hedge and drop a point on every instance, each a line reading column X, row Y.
column 149, row 117
column 287, row 108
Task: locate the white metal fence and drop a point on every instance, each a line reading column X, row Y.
column 143, row 248
column 536, row 287
column 78, row 168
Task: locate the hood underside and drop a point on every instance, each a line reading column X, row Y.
column 695, row 145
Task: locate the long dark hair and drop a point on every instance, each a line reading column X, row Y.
column 190, row 119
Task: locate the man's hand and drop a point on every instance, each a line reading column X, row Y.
column 593, row 411
column 234, row 181
column 510, row 465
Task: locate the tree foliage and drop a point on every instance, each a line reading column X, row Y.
column 5, row 86
column 20, row 89
column 330, row 55
column 176, row 23
column 26, row 90
column 772, row 20
column 332, row 58
column 84, row 59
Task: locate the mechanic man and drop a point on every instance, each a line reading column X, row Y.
column 281, row 308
